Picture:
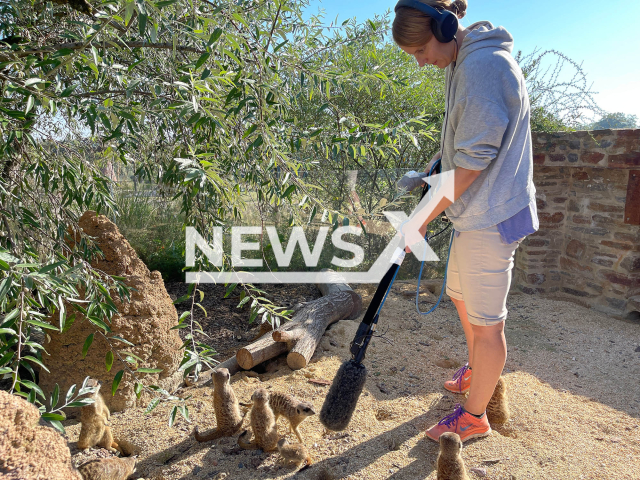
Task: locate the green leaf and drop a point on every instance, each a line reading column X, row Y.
column 48, row 268
column 36, row 361
column 87, row 344
column 154, row 403
column 68, row 91
column 4, row 288
column 149, row 370
column 5, row 370
column 182, row 299
column 203, row 58
column 230, row 289
column 99, row 323
column 116, row 382
column 33, row 386
column 83, row 402
column 172, row 415
column 40, row 324
column 138, row 389
column 109, row 360
column 57, row 425
column 8, row 331
column 165, row 3
column 142, row 23
column 61, row 53
column 55, row 397
column 53, row 416
column 214, row 36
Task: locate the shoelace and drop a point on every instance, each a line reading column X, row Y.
column 452, row 417
column 460, row 374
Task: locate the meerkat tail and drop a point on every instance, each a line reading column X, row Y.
column 246, row 445
column 207, row 437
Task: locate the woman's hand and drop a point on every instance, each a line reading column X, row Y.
column 435, row 158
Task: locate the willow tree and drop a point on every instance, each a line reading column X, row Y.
column 200, row 96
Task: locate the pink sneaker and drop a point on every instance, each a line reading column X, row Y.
column 461, row 380
column 463, row 423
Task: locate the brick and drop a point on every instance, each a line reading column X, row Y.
column 581, row 220
column 560, row 199
column 631, row 264
column 602, row 261
column 626, row 237
column 538, row 159
column 592, row 158
column 532, row 291
column 609, row 219
column 536, row 278
column 617, row 245
column 595, row 287
column 557, row 158
column 541, row 204
column 624, row 160
column 598, row 231
column 575, row 293
column 574, row 206
column 547, row 218
column 574, row 144
column 601, row 207
column 536, row 242
column 580, row 175
column 617, row 303
column 573, row 157
column 545, row 184
column 575, row 249
column 573, row 266
column 620, row 279
column 630, row 133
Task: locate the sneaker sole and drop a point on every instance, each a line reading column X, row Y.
column 460, row 392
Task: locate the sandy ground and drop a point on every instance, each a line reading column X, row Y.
column 572, row 373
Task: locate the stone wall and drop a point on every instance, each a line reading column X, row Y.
column 588, row 245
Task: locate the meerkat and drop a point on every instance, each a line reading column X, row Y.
column 294, row 410
column 294, row 453
column 108, row 468
column 498, row 407
column 226, row 407
column 94, row 419
column 450, row 463
column 263, row 424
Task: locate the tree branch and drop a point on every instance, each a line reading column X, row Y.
column 104, row 44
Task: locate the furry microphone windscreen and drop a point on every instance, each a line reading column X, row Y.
column 343, row 395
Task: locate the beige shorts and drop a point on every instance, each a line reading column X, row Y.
column 479, row 274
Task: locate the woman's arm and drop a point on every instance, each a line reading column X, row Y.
column 463, row 178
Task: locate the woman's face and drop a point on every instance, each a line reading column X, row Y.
column 432, row 53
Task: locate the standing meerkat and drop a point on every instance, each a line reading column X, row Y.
column 108, row 468
column 498, row 407
column 450, row 463
column 294, row 453
column 263, row 424
column 94, row 419
column 226, row 407
column 294, row 410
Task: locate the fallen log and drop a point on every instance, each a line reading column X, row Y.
column 301, row 335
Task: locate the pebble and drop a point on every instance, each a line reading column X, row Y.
column 240, row 465
column 637, row 349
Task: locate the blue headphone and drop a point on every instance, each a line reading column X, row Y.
column 444, row 24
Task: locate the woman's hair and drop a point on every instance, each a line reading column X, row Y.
column 412, row 28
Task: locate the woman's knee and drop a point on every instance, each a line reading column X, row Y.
column 488, row 331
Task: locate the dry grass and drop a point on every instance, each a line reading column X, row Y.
column 573, row 385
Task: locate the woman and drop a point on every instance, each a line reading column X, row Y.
column 486, row 140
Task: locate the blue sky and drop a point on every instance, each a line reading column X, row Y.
column 605, row 40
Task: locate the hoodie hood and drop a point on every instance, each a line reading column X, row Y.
column 484, row 35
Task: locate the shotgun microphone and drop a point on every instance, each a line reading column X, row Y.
column 340, row 403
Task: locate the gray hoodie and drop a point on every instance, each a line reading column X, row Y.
column 487, row 128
